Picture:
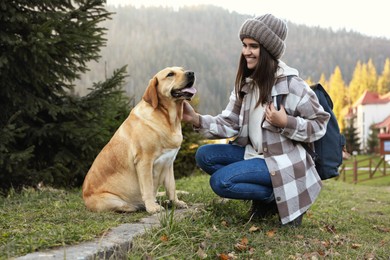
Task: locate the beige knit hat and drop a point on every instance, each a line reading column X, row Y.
column 269, row 31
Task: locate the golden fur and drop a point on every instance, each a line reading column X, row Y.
column 139, row 157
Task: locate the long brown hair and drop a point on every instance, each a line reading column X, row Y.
column 263, row 75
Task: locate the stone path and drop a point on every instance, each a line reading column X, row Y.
column 115, row 244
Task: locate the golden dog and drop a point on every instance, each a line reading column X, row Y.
column 127, row 173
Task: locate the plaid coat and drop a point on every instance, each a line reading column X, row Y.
column 295, row 181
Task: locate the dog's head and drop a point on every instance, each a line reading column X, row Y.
column 173, row 83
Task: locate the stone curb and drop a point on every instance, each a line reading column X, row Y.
column 115, row 244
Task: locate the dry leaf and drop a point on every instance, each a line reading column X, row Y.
column 223, row 256
column 321, row 252
column 254, row 229
column 224, row 223
column 330, row 228
column 215, row 228
column 243, row 245
column 240, row 247
column 201, row 253
column 356, row 246
column 232, row 255
column 164, row 238
column 269, row 252
column 271, row 233
column 382, row 229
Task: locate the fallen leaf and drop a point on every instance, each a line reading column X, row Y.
column 215, row 228
column 325, row 243
column 164, row 238
column 240, row 247
column 223, row 256
column 254, row 229
column 382, row 229
column 321, row 252
column 356, row 246
column 201, row 253
column 271, row 233
column 269, row 252
column 330, row 228
column 224, row 223
column 232, row 255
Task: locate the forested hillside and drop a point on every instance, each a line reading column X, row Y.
column 205, row 39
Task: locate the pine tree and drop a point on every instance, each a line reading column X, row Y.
column 351, row 136
column 46, row 134
column 372, row 140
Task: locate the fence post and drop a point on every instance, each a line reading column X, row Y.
column 355, row 170
column 369, row 167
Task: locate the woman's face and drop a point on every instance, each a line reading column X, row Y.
column 251, row 52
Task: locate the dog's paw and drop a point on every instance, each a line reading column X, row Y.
column 153, row 208
column 180, row 204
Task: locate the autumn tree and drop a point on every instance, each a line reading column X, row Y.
column 369, row 77
column 384, row 79
column 324, row 82
column 356, row 85
column 337, row 91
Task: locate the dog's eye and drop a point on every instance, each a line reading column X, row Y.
column 170, row 74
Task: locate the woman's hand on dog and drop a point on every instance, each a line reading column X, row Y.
column 189, row 114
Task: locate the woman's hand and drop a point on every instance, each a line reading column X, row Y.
column 189, row 114
column 275, row 117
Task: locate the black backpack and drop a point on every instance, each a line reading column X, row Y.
column 328, row 151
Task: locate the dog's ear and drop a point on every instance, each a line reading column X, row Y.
column 150, row 94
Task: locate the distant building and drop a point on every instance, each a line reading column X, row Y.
column 370, row 109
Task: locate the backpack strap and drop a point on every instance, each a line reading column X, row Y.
column 279, row 98
column 309, row 150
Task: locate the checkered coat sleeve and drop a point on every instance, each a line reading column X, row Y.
column 295, row 181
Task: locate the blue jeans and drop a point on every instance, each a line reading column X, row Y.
column 232, row 176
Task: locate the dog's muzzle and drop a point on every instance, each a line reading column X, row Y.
column 188, row 91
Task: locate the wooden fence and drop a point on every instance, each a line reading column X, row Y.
column 363, row 170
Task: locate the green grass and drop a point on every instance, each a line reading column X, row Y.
column 347, row 222
column 35, row 220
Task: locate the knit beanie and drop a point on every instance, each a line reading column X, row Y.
column 269, row 31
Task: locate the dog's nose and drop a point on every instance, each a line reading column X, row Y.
column 190, row 74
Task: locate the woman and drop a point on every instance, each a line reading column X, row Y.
column 265, row 163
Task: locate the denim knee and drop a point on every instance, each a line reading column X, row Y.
column 217, row 186
column 200, row 158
